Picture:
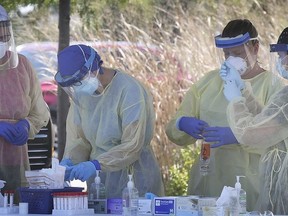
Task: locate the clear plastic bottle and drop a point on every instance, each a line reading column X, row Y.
column 205, row 159
column 97, row 195
column 130, row 198
column 241, row 196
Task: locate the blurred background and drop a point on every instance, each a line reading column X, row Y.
column 166, row 44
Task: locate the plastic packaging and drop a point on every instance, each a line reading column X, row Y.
column 241, row 196
column 97, row 196
column 130, row 198
column 205, row 159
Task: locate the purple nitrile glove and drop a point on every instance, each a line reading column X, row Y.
column 84, row 170
column 219, row 136
column 67, row 162
column 192, row 126
column 7, row 131
column 21, row 136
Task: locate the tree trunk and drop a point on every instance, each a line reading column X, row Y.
column 63, row 99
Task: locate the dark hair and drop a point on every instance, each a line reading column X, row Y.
column 239, row 26
column 283, row 38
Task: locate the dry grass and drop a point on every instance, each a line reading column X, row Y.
column 193, row 47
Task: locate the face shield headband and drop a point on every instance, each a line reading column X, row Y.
column 76, row 77
column 228, row 42
column 278, row 47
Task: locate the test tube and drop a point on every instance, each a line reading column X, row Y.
column 11, row 200
column 205, row 158
column 5, row 199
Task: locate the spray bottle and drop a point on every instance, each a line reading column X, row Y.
column 130, row 198
column 97, row 195
column 1, row 196
column 241, row 196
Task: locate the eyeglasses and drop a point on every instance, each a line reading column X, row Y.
column 265, row 213
column 5, row 38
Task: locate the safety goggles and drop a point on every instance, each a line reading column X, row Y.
column 228, row 42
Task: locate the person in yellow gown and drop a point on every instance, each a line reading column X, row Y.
column 202, row 115
column 265, row 130
column 23, row 111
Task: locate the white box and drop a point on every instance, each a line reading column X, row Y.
column 144, row 206
column 186, row 206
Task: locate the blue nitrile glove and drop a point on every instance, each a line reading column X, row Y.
column 228, row 72
column 7, row 131
column 22, row 132
column 84, row 170
column 219, row 136
column 192, row 126
column 67, row 162
column 231, row 91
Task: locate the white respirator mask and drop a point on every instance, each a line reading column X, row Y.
column 88, row 86
column 3, row 49
column 238, row 63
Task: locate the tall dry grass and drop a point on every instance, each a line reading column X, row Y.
column 192, row 46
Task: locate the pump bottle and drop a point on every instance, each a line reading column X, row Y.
column 97, row 195
column 130, row 197
column 241, row 197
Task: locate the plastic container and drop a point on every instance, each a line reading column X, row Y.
column 130, row 197
column 40, row 201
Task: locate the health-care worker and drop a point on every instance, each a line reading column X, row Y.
column 109, row 125
column 266, row 129
column 23, row 111
column 202, row 115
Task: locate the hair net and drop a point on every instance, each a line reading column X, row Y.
column 73, row 58
column 283, row 38
column 3, row 14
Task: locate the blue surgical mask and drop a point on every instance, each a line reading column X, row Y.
column 281, row 70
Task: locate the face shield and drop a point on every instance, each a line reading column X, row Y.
column 279, row 59
column 8, row 54
column 83, row 83
column 237, row 51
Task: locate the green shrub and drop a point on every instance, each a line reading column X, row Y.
column 179, row 172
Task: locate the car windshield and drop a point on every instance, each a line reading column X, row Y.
column 45, row 63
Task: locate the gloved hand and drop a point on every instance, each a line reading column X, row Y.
column 192, row 126
column 83, row 171
column 7, row 131
column 231, row 90
column 219, row 136
column 22, row 132
column 228, row 72
column 66, row 162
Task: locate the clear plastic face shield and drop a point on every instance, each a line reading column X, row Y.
column 8, row 54
column 238, row 51
column 279, row 59
column 83, row 83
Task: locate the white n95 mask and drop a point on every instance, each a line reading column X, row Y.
column 87, row 87
column 3, row 49
column 238, row 63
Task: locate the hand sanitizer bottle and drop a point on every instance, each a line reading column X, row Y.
column 241, row 196
column 130, row 197
column 97, row 196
